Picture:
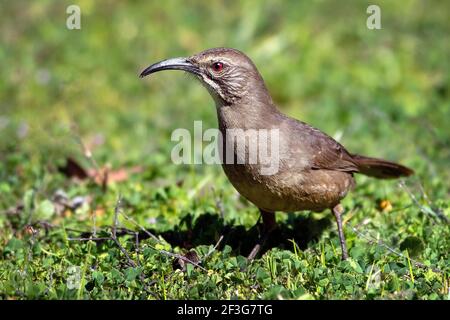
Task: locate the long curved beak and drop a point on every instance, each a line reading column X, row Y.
column 171, row 64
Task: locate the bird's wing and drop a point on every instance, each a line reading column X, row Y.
column 326, row 153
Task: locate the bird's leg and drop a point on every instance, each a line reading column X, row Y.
column 269, row 224
column 337, row 211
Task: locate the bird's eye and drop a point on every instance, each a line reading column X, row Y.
column 217, row 66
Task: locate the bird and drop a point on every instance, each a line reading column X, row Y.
column 314, row 172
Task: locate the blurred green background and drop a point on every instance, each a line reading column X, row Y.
column 383, row 92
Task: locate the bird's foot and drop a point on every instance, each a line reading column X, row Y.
column 262, row 240
column 268, row 226
column 254, row 252
column 338, row 210
column 264, row 237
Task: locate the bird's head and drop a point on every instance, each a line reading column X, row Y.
column 228, row 74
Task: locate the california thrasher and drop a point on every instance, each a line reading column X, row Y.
column 314, row 171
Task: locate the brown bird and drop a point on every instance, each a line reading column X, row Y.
column 314, row 172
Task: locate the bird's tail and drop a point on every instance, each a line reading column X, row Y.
column 381, row 169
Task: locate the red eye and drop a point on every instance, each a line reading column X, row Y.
column 217, row 66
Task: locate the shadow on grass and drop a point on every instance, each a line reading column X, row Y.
column 207, row 228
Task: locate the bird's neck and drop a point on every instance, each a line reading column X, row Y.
column 246, row 114
column 253, row 108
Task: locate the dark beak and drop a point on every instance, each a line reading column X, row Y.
column 171, row 64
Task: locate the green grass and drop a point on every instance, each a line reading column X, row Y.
column 384, row 92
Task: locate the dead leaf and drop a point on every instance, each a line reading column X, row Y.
column 73, row 170
column 181, row 263
column 102, row 176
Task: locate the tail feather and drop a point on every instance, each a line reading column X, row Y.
column 380, row 168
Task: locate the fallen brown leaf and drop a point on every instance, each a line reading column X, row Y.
column 102, row 176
